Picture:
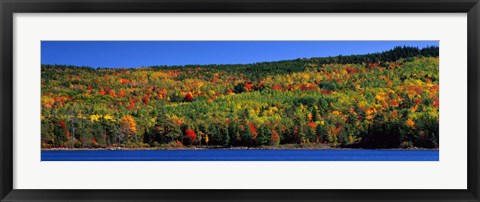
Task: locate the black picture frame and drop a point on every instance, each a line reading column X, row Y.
column 10, row 7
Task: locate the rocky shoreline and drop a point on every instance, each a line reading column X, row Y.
column 281, row 147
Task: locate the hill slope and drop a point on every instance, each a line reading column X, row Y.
column 382, row 100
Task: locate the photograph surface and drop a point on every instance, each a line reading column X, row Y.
column 240, row 101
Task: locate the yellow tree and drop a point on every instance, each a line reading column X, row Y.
column 128, row 127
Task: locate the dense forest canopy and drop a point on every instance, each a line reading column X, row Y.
column 380, row 100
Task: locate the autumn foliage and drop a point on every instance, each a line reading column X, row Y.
column 188, row 97
column 128, row 125
column 381, row 100
column 190, row 135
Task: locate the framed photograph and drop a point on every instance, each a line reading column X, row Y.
column 203, row 100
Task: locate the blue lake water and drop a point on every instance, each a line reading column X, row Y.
column 241, row 155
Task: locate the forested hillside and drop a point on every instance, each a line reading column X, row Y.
column 380, row 100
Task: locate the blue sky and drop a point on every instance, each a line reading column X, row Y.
column 147, row 53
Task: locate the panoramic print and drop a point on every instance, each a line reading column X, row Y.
column 240, row 101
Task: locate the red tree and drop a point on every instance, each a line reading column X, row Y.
column 188, row 97
column 253, row 130
column 145, row 99
column 132, row 104
column 190, row 135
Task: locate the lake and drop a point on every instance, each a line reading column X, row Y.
column 241, row 155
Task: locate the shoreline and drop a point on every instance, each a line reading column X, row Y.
column 227, row 148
